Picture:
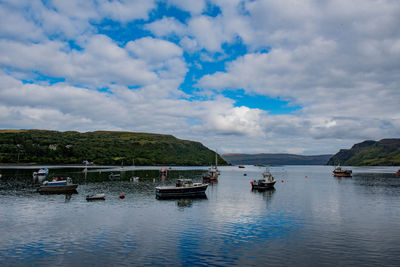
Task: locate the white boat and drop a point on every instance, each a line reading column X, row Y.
column 41, row 172
column 58, row 186
column 213, row 172
column 183, row 188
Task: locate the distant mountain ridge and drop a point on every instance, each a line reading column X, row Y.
column 101, row 147
column 385, row 152
column 275, row 159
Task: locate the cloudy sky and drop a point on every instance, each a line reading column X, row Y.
column 307, row 77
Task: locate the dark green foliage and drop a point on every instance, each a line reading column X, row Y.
column 275, row 159
column 101, row 147
column 385, row 152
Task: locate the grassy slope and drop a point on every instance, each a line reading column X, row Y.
column 385, row 152
column 101, row 147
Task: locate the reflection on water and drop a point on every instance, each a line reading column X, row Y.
column 310, row 219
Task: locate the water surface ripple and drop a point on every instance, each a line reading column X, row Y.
column 310, row 219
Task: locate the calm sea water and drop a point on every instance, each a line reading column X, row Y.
column 310, row 219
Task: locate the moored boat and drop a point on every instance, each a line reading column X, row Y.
column 58, row 186
column 113, row 176
column 212, row 175
column 183, row 188
column 267, row 182
column 96, row 197
column 339, row 172
column 41, row 172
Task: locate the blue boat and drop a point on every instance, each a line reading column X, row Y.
column 57, row 186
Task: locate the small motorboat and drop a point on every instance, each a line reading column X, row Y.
column 58, row 186
column 267, row 182
column 182, row 188
column 96, row 197
column 42, row 172
column 113, row 176
column 339, row 172
column 241, row 166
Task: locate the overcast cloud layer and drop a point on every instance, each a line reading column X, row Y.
column 169, row 67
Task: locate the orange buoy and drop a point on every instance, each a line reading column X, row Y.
column 121, row 196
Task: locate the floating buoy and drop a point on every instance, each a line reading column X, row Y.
column 306, row 176
column 282, row 181
column 121, row 196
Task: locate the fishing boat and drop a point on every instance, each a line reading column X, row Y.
column 267, row 182
column 59, row 186
column 211, row 175
column 96, row 197
column 339, row 172
column 182, row 188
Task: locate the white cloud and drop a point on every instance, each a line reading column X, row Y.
column 14, row 25
column 195, row 7
column 166, row 26
column 154, row 49
column 126, row 10
column 338, row 60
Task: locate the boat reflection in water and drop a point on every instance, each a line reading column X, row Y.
column 183, row 188
column 267, row 194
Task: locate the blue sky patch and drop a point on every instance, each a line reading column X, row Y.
column 274, row 106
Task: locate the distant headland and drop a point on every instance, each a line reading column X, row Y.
column 385, row 152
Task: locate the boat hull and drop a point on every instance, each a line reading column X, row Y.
column 342, row 174
column 96, row 197
column 58, row 189
column 178, row 192
column 263, row 186
column 208, row 179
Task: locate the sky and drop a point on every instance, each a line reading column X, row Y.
column 240, row 76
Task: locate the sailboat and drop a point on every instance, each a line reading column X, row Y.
column 134, row 178
column 213, row 172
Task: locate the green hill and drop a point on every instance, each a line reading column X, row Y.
column 101, row 147
column 385, row 152
column 275, row 159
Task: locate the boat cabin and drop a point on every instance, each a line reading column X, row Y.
column 184, row 182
